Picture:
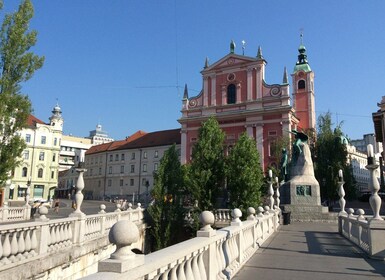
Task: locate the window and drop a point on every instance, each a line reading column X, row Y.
column 144, row 181
column 91, row 171
column 132, row 168
column 110, row 170
column 41, row 156
column 144, row 167
column 122, row 157
column 99, row 184
column 28, row 138
column 109, row 182
column 52, row 174
column 132, row 182
column 156, row 154
column 121, row 183
column 100, row 171
column 26, row 155
column 40, row 173
column 38, row 191
column 133, row 156
column 122, row 169
column 55, row 141
column 116, row 157
column 144, row 154
column 155, row 166
column 24, row 172
column 301, row 84
column 231, row 94
column 111, row 157
column 54, row 157
column 43, row 140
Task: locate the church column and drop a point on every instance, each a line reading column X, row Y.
column 213, row 91
column 224, row 95
column 205, row 91
column 258, row 81
column 183, row 146
column 249, row 130
column 238, row 95
column 249, row 84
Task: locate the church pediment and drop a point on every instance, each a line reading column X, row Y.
column 229, row 61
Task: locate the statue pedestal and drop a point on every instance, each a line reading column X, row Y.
column 301, row 194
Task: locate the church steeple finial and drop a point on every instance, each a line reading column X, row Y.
column 185, row 93
column 206, row 62
column 232, row 46
column 302, row 63
column 259, row 54
column 285, row 79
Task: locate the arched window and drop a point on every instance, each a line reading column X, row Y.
column 231, row 94
column 301, row 84
column 24, row 172
column 40, row 173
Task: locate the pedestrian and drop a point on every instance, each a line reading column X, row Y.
column 57, row 205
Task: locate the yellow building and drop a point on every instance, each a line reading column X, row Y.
column 38, row 172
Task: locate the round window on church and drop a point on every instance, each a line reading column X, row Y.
column 231, row 77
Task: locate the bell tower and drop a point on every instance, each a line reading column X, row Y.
column 56, row 120
column 303, row 91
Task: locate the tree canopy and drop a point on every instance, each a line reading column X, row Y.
column 206, row 171
column 330, row 156
column 17, row 65
column 244, row 174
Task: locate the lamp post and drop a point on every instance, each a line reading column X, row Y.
column 28, row 192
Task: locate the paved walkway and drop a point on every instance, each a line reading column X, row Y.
column 310, row 251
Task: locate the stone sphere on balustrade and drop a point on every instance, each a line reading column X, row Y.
column 251, row 210
column 124, row 233
column 102, row 207
column 43, row 210
column 207, row 218
column 236, row 213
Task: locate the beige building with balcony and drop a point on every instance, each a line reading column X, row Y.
column 39, row 168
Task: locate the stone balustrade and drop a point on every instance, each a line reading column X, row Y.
column 213, row 254
column 364, row 231
column 32, row 240
column 14, row 214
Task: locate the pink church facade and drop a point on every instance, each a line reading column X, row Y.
column 236, row 94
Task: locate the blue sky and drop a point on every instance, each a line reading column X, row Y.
column 119, row 63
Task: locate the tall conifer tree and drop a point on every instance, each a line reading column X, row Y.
column 17, row 65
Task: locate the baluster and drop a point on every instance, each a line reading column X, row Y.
column 52, row 237
column 277, row 193
column 70, row 233
column 21, row 246
column 57, row 237
column 34, row 242
column 375, row 199
column 181, row 270
column 14, row 247
column 270, row 191
column 173, row 273
column 1, row 249
column 195, row 268
column 201, row 266
column 28, row 245
column 189, row 272
column 6, row 249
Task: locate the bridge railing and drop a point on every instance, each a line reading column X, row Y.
column 32, row 240
column 364, row 231
column 213, row 254
column 13, row 214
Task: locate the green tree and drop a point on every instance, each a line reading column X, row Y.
column 166, row 214
column 330, row 156
column 206, row 171
column 244, row 174
column 17, row 65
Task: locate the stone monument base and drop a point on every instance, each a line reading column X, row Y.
column 309, row 213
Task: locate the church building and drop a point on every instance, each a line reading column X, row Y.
column 236, row 94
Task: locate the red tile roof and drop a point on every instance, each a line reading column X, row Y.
column 153, row 139
column 32, row 121
column 115, row 144
column 140, row 139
